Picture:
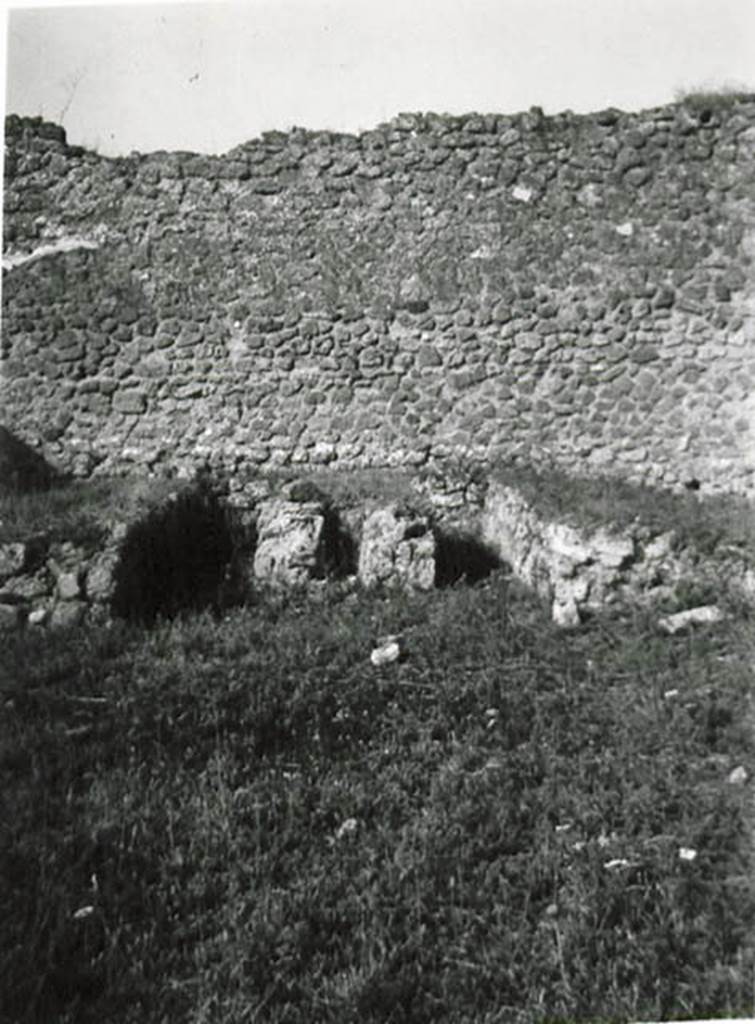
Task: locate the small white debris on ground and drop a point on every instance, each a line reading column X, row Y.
column 347, row 828
column 738, row 776
column 387, row 651
column 703, row 615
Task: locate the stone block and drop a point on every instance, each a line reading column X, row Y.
column 681, row 621
column 131, row 402
column 38, row 617
column 68, row 613
column 12, row 559
column 99, row 582
column 68, row 585
column 30, row 587
column 70, row 354
column 428, row 356
column 396, row 550
column 637, row 176
column 11, row 616
column 290, row 544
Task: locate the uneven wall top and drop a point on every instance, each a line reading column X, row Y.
column 579, row 288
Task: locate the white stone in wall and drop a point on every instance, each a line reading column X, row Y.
column 521, row 193
column 38, row 617
column 589, row 195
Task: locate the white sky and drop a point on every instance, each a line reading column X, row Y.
column 207, row 76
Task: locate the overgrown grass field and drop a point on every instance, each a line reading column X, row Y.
column 242, row 819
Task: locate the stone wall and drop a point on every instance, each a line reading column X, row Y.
column 196, row 547
column 576, row 288
column 588, row 568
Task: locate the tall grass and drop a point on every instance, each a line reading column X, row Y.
column 80, row 511
column 712, row 98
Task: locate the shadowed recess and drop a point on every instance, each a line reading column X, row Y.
column 21, row 468
column 180, row 557
column 462, row 557
column 340, row 547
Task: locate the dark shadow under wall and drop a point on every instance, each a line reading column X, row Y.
column 183, row 556
column 193, row 554
column 341, row 549
column 461, row 557
column 21, row 468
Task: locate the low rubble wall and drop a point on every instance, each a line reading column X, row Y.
column 579, row 570
column 202, row 548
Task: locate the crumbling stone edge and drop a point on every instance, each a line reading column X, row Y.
column 294, row 536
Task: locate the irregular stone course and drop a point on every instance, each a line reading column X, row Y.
column 491, row 285
column 443, row 528
column 55, row 583
column 283, row 535
column 578, row 569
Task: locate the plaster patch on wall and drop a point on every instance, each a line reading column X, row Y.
column 61, row 245
column 237, row 347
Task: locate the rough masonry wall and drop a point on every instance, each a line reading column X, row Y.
column 579, row 288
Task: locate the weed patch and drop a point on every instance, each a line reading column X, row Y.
column 709, row 100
